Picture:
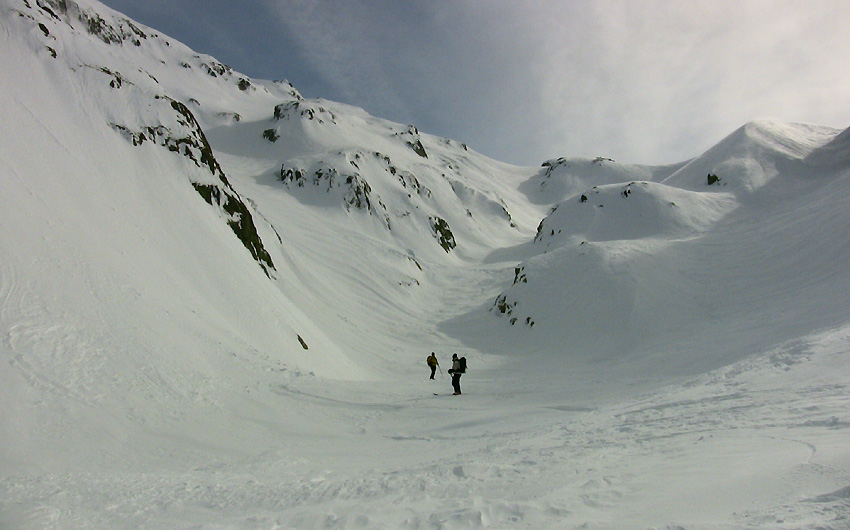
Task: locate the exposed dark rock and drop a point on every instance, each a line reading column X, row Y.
column 49, row 11
column 196, row 148
column 244, row 84
column 412, row 140
column 215, row 69
column 358, row 192
column 443, row 233
column 241, row 221
column 198, row 140
column 234, row 116
column 117, row 79
column 519, row 275
column 292, row 176
column 502, row 305
column 418, row 148
column 305, row 109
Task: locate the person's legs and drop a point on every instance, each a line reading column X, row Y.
column 433, row 371
column 456, row 383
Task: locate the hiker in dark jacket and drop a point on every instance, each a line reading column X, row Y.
column 456, row 370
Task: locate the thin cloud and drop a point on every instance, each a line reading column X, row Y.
column 645, row 81
column 646, row 74
column 342, row 43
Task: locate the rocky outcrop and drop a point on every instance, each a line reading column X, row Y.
column 192, row 144
column 302, row 108
column 443, row 233
column 412, row 139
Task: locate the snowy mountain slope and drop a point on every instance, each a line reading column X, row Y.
column 400, row 224
column 641, row 266
column 650, row 211
column 125, row 294
column 836, row 153
column 752, row 156
column 671, row 353
column 158, row 71
column 406, row 181
column 117, row 213
column 560, row 179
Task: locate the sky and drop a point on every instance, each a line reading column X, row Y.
column 525, row 81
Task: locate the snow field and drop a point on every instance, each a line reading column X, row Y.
column 746, row 446
column 686, row 367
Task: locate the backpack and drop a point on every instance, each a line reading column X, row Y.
column 462, row 365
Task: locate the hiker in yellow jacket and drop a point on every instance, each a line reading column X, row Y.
column 432, row 363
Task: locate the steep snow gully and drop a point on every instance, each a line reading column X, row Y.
column 217, row 297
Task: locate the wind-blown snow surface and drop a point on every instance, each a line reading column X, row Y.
column 216, row 300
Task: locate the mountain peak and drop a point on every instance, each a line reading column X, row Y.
column 750, row 157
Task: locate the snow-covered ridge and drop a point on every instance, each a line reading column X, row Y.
column 753, row 155
column 836, row 153
column 563, row 178
column 639, row 256
column 634, row 210
column 147, row 104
